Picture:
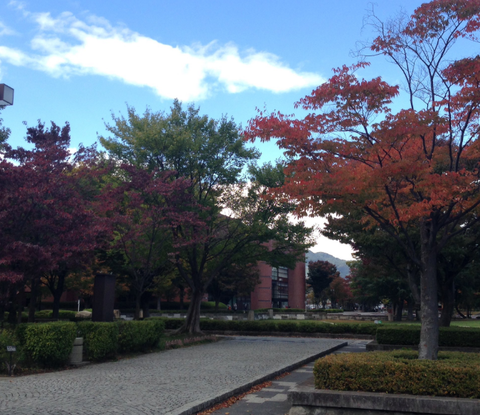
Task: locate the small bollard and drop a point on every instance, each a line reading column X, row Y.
column 76, row 355
column 11, row 350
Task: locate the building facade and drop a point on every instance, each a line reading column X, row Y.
column 279, row 288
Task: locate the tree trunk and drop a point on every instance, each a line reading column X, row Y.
column 159, row 304
column 192, row 322
column 20, row 303
column 33, row 300
column 57, row 292
column 448, row 296
column 410, row 316
column 459, row 312
column 182, row 294
column 138, row 305
column 428, row 347
column 56, row 304
column 398, row 310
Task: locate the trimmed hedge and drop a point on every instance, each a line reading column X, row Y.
column 410, row 335
column 103, row 340
column 100, row 340
column 277, row 326
column 62, row 314
column 455, row 374
column 48, row 344
column 280, row 310
column 139, row 336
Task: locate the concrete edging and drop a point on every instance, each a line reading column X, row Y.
column 290, row 334
column 201, row 405
column 310, row 401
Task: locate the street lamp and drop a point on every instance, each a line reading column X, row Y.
column 6, row 95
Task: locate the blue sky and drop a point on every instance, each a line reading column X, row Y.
column 81, row 60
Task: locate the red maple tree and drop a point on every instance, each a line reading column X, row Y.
column 414, row 169
column 48, row 227
column 147, row 210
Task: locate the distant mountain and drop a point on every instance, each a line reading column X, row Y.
column 341, row 264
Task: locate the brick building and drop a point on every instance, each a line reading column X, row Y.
column 279, row 288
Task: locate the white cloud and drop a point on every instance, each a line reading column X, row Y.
column 68, row 46
column 5, row 30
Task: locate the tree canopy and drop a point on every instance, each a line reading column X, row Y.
column 413, row 169
column 240, row 225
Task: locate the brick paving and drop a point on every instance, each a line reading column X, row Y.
column 174, row 382
column 273, row 400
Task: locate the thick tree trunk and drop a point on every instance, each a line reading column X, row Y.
column 182, row 295
column 428, row 347
column 448, row 296
column 192, row 322
column 56, row 304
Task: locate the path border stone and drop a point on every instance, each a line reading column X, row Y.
column 201, row 404
column 310, row 401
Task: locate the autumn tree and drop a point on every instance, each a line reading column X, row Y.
column 142, row 209
column 413, row 169
column 239, row 279
column 211, row 154
column 47, row 222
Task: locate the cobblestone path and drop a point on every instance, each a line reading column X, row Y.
column 176, row 382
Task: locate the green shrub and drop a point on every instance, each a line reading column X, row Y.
column 8, row 338
column 62, row 314
column 169, row 323
column 49, row 344
column 137, row 336
column 281, row 310
column 287, row 326
column 100, row 340
column 65, row 305
column 453, row 375
column 410, row 335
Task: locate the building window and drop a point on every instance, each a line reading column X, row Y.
column 280, row 287
column 280, row 274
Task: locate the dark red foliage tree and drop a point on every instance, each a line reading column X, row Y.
column 47, row 223
column 145, row 210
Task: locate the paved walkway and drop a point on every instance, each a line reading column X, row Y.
column 175, row 382
column 273, row 400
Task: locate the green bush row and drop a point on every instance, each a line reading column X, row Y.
column 62, row 314
column 277, row 326
column 172, row 305
column 455, row 374
column 410, row 335
column 103, row 340
column 46, row 345
column 50, row 344
column 281, row 310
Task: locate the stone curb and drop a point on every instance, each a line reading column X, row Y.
column 287, row 334
column 200, row 405
column 306, row 400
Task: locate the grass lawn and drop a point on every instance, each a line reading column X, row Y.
column 454, row 323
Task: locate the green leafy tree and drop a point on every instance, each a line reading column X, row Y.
column 240, row 224
column 320, row 276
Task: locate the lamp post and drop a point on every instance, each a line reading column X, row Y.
column 6, row 95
